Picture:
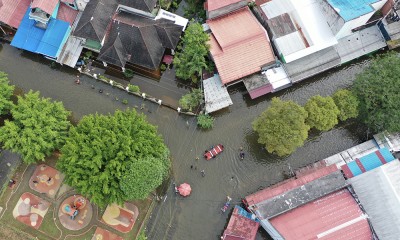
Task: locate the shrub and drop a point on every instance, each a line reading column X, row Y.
column 128, row 73
column 125, row 101
column 191, row 100
column 205, row 121
column 133, row 88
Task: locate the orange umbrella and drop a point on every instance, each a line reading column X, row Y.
column 184, row 189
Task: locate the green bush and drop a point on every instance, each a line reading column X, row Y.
column 133, row 88
column 205, row 121
column 191, row 100
column 163, row 67
column 128, row 73
column 124, row 101
column 104, row 78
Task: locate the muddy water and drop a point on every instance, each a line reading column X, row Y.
column 198, row 216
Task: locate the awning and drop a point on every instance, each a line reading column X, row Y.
column 215, row 94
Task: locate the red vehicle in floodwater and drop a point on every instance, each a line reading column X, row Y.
column 213, row 152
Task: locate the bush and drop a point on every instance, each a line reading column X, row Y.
column 104, row 78
column 191, row 100
column 163, row 67
column 133, row 88
column 205, row 121
column 124, row 101
column 128, row 73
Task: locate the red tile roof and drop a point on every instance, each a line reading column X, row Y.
column 12, row 11
column 276, row 190
column 67, row 14
column 216, row 4
column 240, row 227
column 239, row 45
column 335, row 216
column 47, row 6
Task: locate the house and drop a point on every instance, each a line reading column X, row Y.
column 127, row 32
column 239, row 45
column 45, row 28
column 241, row 226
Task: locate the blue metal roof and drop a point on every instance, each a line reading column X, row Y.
column 371, row 161
column 351, row 9
column 43, row 41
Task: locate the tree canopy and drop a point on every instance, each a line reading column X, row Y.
column 377, row 89
column 114, row 158
column 6, row 91
column 191, row 100
column 190, row 62
column 282, row 128
column 347, row 104
column 39, row 126
column 322, row 113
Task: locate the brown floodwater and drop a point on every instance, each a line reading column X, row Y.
column 197, row 216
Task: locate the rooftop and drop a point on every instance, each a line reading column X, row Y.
column 334, row 216
column 379, row 192
column 239, row 45
column 367, row 162
column 351, row 9
column 288, row 185
column 12, row 11
column 299, row 27
column 47, row 6
column 300, row 195
column 215, row 94
column 240, row 226
column 212, row 5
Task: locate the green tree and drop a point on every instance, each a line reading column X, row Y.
column 322, row 113
column 195, row 9
column 190, row 62
column 191, row 100
column 377, row 89
column 39, row 127
column 347, row 104
column 6, row 91
column 114, row 158
column 205, row 121
column 282, row 128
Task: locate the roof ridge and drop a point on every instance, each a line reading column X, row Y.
column 147, row 47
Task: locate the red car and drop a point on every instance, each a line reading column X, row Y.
column 213, row 152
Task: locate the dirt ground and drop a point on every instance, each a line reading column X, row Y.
column 8, row 233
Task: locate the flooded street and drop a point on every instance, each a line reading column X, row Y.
column 197, row 217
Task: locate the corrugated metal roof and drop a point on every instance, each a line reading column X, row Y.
column 215, row 94
column 47, row 6
column 216, row 4
column 351, row 9
column 48, row 41
column 299, row 196
column 240, row 226
column 334, row 216
column 12, row 11
column 239, row 45
column 367, row 162
column 67, row 14
column 290, row 43
column 275, row 8
column 379, row 193
column 278, row 189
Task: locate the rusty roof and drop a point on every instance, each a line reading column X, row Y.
column 12, row 11
column 240, row 227
column 239, row 45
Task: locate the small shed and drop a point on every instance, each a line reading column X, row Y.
column 215, row 94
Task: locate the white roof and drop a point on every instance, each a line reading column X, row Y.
column 277, row 77
column 379, row 193
column 215, row 94
column 178, row 20
column 310, row 21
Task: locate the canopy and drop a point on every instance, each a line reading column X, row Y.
column 184, row 189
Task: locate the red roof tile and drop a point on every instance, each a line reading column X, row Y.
column 12, row 11
column 216, row 4
column 47, row 6
column 240, row 227
column 276, row 190
column 67, row 14
column 239, row 45
column 335, row 216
